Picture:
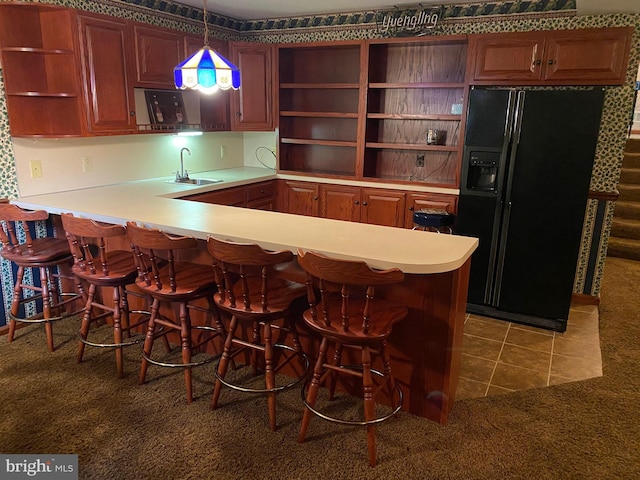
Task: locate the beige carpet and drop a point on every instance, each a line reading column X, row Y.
column 121, row 430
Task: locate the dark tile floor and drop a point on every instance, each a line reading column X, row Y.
column 500, row 357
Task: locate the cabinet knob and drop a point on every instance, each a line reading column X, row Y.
column 537, row 62
column 411, row 209
column 238, row 114
column 357, row 202
column 364, row 203
column 315, row 198
column 551, row 62
column 132, row 113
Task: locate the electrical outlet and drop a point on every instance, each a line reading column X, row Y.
column 35, row 167
column 87, row 166
column 223, row 151
column 420, row 161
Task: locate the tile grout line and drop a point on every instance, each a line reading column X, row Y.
column 553, row 346
column 497, row 359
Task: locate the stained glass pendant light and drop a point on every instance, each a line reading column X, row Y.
column 206, row 70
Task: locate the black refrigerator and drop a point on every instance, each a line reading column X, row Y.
column 527, row 161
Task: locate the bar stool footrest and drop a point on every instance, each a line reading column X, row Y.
column 395, row 408
column 184, row 365
column 277, row 388
column 134, row 341
column 39, row 317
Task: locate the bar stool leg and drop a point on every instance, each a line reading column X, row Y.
column 148, row 341
column 312, row 393
column 86, row 322
column 185, row 336
column 269, row 375
column 369, row 404
column 224, row 361
column 15, row 302
column 337, row 361
column 46, row 306
column 117, row 331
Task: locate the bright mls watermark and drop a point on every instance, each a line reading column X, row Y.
column 53, row 467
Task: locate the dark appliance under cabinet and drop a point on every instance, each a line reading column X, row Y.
column 526, row 170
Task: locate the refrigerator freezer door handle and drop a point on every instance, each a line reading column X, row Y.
column 502, row 248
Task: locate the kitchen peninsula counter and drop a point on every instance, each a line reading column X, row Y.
column 425, row 347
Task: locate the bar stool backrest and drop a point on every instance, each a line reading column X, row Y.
column 10, row 215
column 246, row 261
column 344, row 276
column 154, row 249
column 87, row 242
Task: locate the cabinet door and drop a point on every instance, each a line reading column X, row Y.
column 299, row 198
column 252, row 103
column 234, row 197
column 214, row 108
column 106, row 66
column 340, row 202
column 593, row 56
column 383, row 207
column 419, row 201
column 158, row 51
column 508, row 56
column 261, row 196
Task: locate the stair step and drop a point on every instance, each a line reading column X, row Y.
column 630, row 175
column 633, row 144
column 624, row 248
column 625, row 228
column 629, row 192
column 630, row 210
column 631, row 160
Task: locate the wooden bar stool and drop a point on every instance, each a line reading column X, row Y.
column 348, row 315
column 98, row 267
column 250, row 291
column 19, row 234
column 169, row 280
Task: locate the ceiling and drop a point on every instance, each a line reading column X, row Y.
column 255, row 10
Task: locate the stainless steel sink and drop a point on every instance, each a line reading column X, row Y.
column 196, row 181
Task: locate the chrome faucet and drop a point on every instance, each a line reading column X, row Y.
column 182, row 175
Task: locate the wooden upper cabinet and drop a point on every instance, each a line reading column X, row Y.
column 252, row 103
column 508, row 56
column 158, row 51
column 595, row 56
column 106, row 68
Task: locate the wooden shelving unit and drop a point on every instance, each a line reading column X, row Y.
column 362, row 110
column 39, row 58
column 414, row 86
column 319, row 107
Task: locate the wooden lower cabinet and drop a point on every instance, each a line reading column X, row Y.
column 340, row 202
column 383, row 207
column 420, row 201
column 377, row 206
column 259, row 196
column 366, row 205
column 299, row 198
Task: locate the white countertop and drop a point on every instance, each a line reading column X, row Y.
column 156, row 203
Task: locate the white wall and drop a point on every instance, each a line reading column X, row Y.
column 116, row 159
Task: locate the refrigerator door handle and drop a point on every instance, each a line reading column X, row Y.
column 502, row 248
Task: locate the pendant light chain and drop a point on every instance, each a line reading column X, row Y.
column 206, row 23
